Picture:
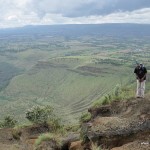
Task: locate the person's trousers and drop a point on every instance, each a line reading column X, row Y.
column 140, row 89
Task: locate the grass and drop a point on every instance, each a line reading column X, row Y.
column 47, row 137
column 67, row 85
column 44, row 137
column 85, row 117
column 7, row 72
column 69, row 92
column 119, row 93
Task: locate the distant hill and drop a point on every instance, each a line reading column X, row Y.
column 77, row 30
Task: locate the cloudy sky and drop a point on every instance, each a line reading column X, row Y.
column 14, row 13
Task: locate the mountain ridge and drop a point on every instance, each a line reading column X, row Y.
column 77, row 30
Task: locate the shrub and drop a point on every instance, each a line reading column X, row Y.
column 43, row 137
column 72, row 128
column 47, row 137
column 106, row 99
column 117, row 91
column 44, row 115
column 121, row 93
column 85, row 117
column 39, row 114
column 103, row 100
column 55, row 123
column 8, row 122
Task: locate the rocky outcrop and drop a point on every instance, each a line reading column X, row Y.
column 70, row 140
column 119, row 123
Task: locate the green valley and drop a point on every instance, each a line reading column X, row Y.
column 67, row 71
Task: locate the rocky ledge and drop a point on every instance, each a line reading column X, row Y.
column 120, row 124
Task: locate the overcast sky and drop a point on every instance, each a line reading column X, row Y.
column 14, row 13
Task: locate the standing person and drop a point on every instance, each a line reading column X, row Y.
column 140, row 72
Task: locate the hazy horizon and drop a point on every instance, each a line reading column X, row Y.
column 33, row 12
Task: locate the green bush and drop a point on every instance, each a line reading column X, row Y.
column 55, row 123
column 85, row 117
column 40, row 114
column 72, row 128
column 122, row 93
column 106, row 99
column 117, row 91
column 48, row 137
column 44, row 137
column 103, row 100
column 8, row 122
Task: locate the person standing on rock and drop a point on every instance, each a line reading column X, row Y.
column 140, row 72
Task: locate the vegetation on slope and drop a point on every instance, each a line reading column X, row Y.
column 68, row 72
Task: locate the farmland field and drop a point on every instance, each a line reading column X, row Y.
column 68, row 72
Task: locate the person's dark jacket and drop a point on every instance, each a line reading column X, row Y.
column 140, row 72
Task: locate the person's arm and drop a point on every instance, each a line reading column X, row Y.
column 143, row 78
column 144, row 75
column 135, row 71
column 137, row 77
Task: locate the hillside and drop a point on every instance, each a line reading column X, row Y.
column 73, row 68
column 68, row 67
column 70, row 90
column 122, row 125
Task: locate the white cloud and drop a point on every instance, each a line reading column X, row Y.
column 31, row 12
column 11, row 17
column 138, row 16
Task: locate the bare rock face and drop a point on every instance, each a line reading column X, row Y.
column 71, row 140
column 120, row 123
column 77, row 145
